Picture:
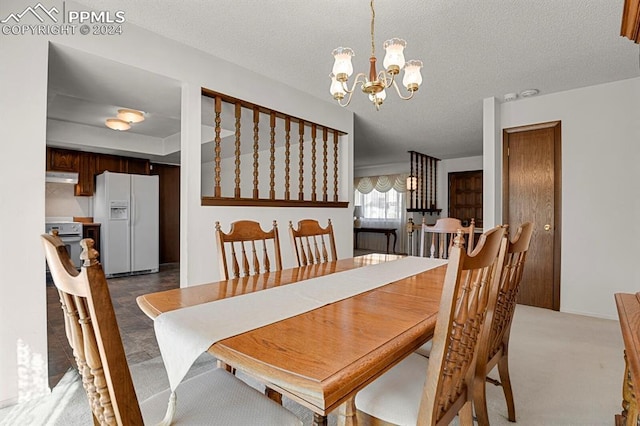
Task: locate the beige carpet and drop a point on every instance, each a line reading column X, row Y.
column 565, row 370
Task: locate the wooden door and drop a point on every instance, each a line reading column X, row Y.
column 532, row 193
column 169, row 211
column 465, row 196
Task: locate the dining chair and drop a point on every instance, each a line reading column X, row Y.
column 495, row 349
column 439, row 237
column 305, row 242
column 250, row 233
column 432, row 391
column 213, row 397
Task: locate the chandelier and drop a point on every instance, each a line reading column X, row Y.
column 375, row 84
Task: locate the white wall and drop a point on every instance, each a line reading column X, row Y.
column 61, row 201
column 600, row 192
column 24, row 81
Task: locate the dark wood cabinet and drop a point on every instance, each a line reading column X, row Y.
column 137, row 166
column 89, row 164
column 92, row 230
column 110, row 163
column 86, row 169
column 465, row 196
column 62, row 160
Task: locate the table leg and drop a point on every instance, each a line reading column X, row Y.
column 347, row 413
column 319, row 420
column 387, row 234
column 394, row 241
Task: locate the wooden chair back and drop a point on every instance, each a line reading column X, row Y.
column 310, row 242
column 469, row 292
column 93, row 334
column 244, row 245
column 498, row 327
column 438, row 238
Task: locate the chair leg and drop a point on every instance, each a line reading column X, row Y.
column 466, row 414
column 480, row 402
column 503, row 369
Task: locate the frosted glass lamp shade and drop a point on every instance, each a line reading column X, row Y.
column 412, row 77
column 412, row 183
column 336, row 89
column 394, row 58
column 342, row 67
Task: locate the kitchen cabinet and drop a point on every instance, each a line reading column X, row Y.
column 137, row 166
column 110, row 163
column 62, row 160
column 86, row 176
column 89, row 164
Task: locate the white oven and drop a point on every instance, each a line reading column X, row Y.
column 71, row 234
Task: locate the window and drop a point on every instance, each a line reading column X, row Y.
column 380, row 205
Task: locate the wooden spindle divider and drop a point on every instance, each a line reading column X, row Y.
column 301, row 161
column 325, row 136
column 256, row 148
column 272, row 157
column 335, row 165
column 275, row 159
column 237, row 181
column 218, row 110
column 425, row 169
column 314, row 129
column 287, row 158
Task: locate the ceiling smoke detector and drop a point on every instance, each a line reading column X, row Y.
column 510, row 97
column 529, row 92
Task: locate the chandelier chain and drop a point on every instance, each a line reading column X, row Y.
column 373, row 18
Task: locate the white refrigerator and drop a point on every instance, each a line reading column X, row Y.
column 127, row 208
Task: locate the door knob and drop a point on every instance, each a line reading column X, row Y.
column 547, row 227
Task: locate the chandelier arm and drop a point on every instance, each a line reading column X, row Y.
column 348, row 100
column 406, row 98
column 387, row 78
column 355, row 82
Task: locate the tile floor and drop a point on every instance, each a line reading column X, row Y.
column 136, row 328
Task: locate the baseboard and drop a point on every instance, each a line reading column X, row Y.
column 590, row 314
column 8, row 402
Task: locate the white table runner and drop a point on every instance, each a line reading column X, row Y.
column 186, row 333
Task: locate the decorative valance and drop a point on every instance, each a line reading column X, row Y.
column 382, row 183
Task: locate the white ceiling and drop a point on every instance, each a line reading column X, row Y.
column 471, row 50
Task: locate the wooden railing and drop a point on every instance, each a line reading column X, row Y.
column 324, row 143
column 423, row 192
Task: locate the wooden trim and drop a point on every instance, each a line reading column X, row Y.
column 557, row 191
column 630, row 27
column 265, row 202
column 249, row 105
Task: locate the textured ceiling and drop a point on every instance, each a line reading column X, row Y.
column 471, row 50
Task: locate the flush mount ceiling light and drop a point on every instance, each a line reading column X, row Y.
column 130, row 115
column 117, row 124
column 376, row 83
column 529, row 92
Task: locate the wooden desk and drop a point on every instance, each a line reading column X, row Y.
column 629, row 313
column 323, row 357
column 386, row 231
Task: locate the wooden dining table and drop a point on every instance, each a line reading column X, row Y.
column 323, row 357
